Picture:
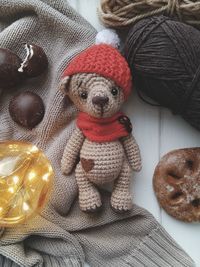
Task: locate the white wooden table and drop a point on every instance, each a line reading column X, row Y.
column 157, row 132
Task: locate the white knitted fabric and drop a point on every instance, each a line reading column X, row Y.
column 63, row 235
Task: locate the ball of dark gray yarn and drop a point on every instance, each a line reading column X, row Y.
column 164, row 57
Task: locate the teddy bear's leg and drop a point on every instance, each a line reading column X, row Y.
column 89, row 197
column 121, row 199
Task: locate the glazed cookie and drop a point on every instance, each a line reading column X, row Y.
column 176, row 184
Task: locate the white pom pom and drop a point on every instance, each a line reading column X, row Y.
column 109, row 37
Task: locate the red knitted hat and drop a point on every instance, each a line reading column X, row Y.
column 105, row 60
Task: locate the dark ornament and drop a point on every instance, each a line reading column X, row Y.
column 27, row 109
column 35, row 62
column 9, row 64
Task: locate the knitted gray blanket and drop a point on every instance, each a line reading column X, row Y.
column 63, row 235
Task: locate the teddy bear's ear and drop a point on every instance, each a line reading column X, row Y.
column 64, row 84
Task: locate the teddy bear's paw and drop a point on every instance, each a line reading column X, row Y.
column 121, row 202
column 66, row 171
column 90, row 201
column 66, row 168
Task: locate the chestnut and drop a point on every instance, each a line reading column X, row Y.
column 9, row 64
column 35, row 62
column 27, row 109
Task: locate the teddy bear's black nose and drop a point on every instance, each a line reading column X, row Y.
column 100, row 100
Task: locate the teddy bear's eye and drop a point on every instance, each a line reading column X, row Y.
column 83, row 95
column 114, row 91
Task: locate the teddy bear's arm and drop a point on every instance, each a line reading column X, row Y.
column 71, row 151
column 132, row 152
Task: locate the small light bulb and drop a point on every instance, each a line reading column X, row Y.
column 11, row 190
column 25, row 206
column 31, row 175
column 15, row 179
column 33, row 149
column 45, row 177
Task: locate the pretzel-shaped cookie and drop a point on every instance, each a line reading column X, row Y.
column 176, row 184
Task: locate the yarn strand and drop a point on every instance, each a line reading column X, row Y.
column 117, row 14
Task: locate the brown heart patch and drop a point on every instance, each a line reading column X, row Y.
column 87, row 164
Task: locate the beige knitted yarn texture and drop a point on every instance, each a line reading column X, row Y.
column 63, row 235
column 104, row 162
column 117, row 13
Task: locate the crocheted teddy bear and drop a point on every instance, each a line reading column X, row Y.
column 98, row 81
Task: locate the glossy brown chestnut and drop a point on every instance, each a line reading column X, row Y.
column 9, row 64
column 27, row 109
column 35, row 62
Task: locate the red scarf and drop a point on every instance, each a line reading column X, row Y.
column 104, row 129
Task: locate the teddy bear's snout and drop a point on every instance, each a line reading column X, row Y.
column 100, row 100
